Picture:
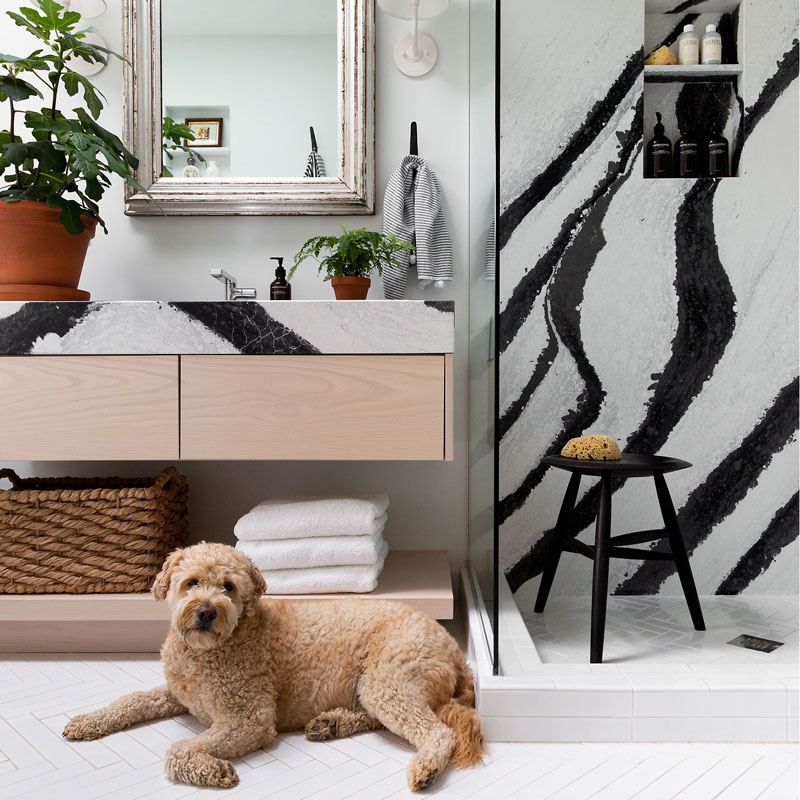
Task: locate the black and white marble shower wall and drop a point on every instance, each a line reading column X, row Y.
column 663, row 313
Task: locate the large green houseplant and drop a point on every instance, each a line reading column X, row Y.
column 55, row 167
column 348, row 260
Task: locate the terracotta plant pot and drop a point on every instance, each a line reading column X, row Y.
column 38, row 251
column 348, row 288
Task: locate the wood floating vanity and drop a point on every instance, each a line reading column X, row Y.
column 226, row 381
column 161, row 381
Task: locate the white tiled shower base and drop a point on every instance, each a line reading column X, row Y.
column 702, row 690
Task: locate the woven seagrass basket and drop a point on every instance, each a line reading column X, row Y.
column 84, row 535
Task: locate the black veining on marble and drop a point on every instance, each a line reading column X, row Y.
column 728, row 29
column 555, row 172
column 779, row 534
column 33, row 321
column 774, row 87
column 725, row 487
column 565, row 269
column 445, row 306
column 248, row 327
column 564, row 299
column 686, row 4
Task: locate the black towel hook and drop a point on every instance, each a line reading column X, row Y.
column 313, row 140
column 414, row 147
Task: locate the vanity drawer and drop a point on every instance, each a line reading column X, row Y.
column 388, row 408
column 88, row 408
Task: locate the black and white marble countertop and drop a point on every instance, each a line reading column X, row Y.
column 295, row 327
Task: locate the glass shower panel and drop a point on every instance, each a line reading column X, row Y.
column 482, row 453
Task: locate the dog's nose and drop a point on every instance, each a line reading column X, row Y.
column 205, row 615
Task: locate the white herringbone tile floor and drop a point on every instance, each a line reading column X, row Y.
column 657, row 629
column 38, row 692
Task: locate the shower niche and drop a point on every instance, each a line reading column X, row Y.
column 701, row 102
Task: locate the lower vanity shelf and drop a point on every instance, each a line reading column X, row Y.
column 137, row 623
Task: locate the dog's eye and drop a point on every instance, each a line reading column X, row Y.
column 192, row 582
column 227, row 586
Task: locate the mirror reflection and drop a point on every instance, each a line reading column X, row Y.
column 250, row 90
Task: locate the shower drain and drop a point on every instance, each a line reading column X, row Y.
column 751, row 642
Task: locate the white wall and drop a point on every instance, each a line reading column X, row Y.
column 274, row 87
column 169, row 258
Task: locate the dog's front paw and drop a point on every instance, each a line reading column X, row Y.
column 424, row 769
column 200, row 769
column 85, row 727
column 321, row 729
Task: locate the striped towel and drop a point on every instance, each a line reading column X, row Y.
column 412, row 211
column 315, row 167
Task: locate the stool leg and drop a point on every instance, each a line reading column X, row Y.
column 679, row 551
column 554, row 551
column 600, row 577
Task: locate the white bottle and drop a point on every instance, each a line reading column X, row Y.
column 712, row 46
column 688, row 47
column 212, row 170
column 190, row 170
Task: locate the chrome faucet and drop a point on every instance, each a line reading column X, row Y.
column 232, row 291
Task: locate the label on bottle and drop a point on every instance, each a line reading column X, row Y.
column 712, row 50
column 688, row 51
column 661, row 148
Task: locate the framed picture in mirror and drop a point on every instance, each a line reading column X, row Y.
column 207, row 132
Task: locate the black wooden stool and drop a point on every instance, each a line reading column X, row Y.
column 629, row 466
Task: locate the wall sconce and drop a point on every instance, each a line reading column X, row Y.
column 415, row 53
column 88, row 9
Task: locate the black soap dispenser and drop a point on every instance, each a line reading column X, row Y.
column 687, row 157
column 280, row 288
column 659, row 153
column 718, row 163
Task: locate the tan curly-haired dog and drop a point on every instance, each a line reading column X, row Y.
column 248, row 666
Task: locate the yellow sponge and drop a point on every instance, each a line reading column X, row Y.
column 661, row 56
column 592, row 448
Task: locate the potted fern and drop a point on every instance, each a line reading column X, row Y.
column 348, row 260
column 55, row 167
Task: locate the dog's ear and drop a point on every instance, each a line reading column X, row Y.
column 161, row 583
column 259, row 584
column 259, row 587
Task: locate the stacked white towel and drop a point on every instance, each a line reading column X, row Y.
column 316, row 545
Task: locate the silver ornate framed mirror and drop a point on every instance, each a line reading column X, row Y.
column 279, row 97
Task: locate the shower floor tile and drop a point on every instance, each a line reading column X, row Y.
column 658, row 630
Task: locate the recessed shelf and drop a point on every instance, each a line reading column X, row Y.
column 697, row 72
column 137, row 623
column 204, row 151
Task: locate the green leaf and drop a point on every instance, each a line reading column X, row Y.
column 70, row 216
column 17, row 89
column 49, row 157
column 37, row 193
column 53, row 16
column 32, row 29
column 94, row 189
column 114, row 142
column 73, row 80
column 15, row 152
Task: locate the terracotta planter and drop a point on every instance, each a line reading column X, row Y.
column 348, row 288
column 37, row 251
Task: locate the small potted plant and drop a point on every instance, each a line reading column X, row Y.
column 56, row 174
column 351, row 258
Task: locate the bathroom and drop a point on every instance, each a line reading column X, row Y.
column 573, row 130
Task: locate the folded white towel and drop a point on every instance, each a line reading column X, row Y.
column 320, row 551
column 301, row 517
column 325, row 580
